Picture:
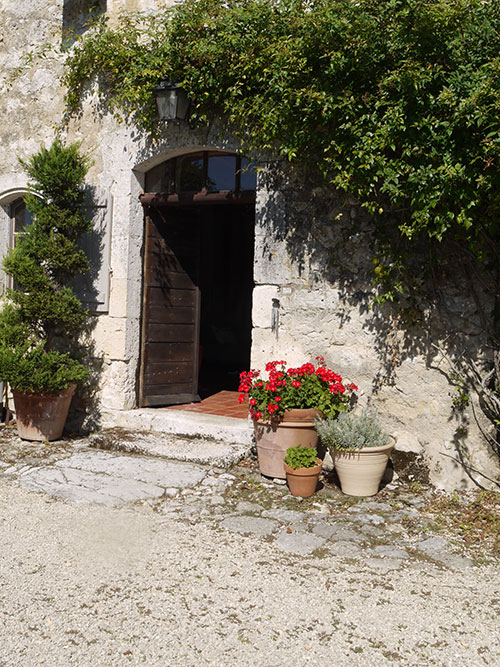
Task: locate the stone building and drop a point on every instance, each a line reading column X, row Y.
column 282, row 266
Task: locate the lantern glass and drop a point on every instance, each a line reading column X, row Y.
column 171, row 100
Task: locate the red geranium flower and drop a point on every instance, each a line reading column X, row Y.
column 307, row 386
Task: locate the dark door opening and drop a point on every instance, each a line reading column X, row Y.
column 198, row 283
column 226, row 285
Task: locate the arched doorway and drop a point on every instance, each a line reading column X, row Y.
column 197, row 278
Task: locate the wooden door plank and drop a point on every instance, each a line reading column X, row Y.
column 170, row 279
column 163, row 352
column 158, row 297
column 169, row 333
column 163, row 372
column 170, row 321
column 167, row 315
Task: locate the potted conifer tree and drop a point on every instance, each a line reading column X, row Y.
column 42, row 317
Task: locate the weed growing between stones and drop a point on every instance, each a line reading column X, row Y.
column 474, row 518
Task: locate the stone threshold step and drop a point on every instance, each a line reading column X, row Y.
column 181, row 422
column 176, row 435
column 187, row 449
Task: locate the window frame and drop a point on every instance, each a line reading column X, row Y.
column 169, row 192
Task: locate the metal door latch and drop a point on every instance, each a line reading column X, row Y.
column 275, row 316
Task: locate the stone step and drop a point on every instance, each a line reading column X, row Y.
column 177, row 435
column 188, row 449
column 181, row 422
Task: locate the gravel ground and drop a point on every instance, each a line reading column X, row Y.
column 167, row 584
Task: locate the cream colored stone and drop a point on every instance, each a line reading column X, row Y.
column 407, row 442
column 118, row 386
column 262, row 306
column 110, row 337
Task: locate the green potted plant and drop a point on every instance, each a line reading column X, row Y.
column 302, row 467
column 360, row 450
column 283, row 404
column 42, row 317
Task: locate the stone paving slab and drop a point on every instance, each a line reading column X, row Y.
column 249, row 525
column 110, row 479
column 335, row 532
column 298, row 542
column 84, row 487
column 438, row 549
column 389, row 551
column 154, row 471
column 346, row 549
column 284, row 515
column 388, row 528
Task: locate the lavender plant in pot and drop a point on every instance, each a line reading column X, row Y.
column 360, row 450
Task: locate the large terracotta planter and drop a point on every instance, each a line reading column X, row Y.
column 41, row 417
column 360, row 472
column 303, row 481
column 274, row 438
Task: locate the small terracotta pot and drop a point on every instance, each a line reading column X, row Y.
column 274, row 438
column 41, row 416
column 303, row 481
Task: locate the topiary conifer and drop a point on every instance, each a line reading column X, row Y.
column 42, row 317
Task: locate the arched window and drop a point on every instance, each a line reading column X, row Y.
column 206, row 175
column 20, row 219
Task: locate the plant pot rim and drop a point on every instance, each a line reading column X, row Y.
column 304, row 471
column 293, row 415
column 303, row 410
column 367, row 450
column 40, row 392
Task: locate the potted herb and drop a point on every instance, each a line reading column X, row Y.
column 283, row 404
column 302, row 467
column 360, row 450
column 42, row 317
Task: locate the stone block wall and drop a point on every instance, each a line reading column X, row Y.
column 312, row 256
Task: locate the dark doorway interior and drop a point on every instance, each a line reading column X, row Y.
column 226, row 284
column 198, row 285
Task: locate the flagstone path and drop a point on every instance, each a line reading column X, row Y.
column 111, row 558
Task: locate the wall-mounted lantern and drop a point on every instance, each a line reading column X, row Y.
column 171, row 100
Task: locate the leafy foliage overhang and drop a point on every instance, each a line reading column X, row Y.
column 396, row 102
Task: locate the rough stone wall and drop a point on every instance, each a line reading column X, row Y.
column 312, row 255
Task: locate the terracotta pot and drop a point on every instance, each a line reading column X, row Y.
column 361, row 471
column 41, row 416
column 274, row 438
column 303, row 481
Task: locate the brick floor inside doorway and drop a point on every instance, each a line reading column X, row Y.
column 223, row 403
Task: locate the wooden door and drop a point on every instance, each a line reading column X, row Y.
column 171, row 308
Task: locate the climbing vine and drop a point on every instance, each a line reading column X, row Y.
column 397, row 103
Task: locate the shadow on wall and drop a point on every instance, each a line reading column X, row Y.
column 331, row 240
column 85, row 415
column 331, row 237
column 77, row 14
